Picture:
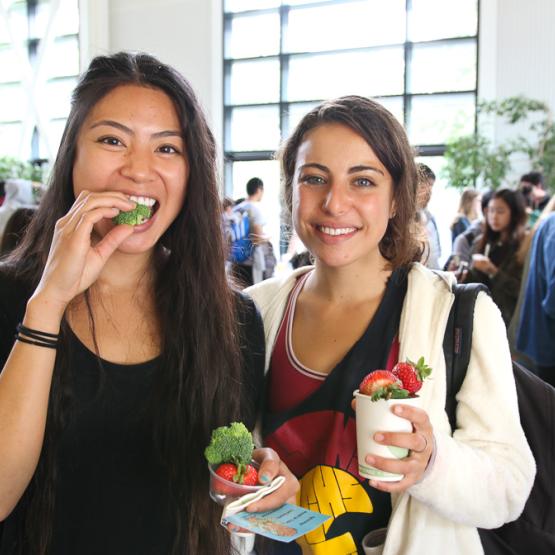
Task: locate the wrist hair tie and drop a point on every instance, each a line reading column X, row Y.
column 37, row 337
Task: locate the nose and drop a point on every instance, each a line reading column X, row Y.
column 138, row 165
column 337, row 199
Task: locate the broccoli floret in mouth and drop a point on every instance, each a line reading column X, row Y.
column 139, row 215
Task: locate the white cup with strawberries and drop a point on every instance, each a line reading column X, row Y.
column 378, row 392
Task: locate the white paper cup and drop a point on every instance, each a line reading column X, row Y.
column 373, row 417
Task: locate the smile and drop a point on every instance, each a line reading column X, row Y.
column 335, row 231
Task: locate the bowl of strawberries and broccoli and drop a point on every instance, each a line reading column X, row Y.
column 233, row 472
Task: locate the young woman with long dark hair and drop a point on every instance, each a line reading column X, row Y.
column 132, row 346
column 351, row 184
column 495, row 259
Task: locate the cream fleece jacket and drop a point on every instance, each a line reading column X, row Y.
column 484, row 471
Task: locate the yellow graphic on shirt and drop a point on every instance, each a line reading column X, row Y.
column 331, row 491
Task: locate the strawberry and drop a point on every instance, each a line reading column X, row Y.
column 227, row 471
column 382, row 384
column 412, row 374
column 251, row 476
column 234, row 479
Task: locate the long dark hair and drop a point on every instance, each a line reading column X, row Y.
column 515, row 201
column 387, row 138
column 200, row 385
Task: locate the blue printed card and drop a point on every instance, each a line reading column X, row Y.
column 284, row 524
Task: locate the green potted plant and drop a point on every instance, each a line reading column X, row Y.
column 472, row 160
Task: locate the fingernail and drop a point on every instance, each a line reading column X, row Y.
column 370, row 460
column 378, row 437
column 264, row 478
column 398, row 409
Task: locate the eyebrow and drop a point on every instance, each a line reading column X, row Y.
column 354, row 169
column 129, row 131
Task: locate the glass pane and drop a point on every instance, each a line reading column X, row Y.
column 394, row 105
column 295, row 114
column 55, row 97
column 62, row 59
column 10, row 62
column 253, row 35
column 254, row 82
column 17, row 15
column 330, row 75
column 14, row 103
column 436, row 118
column 254, row 128
column 443, row 67
column 39, row 23
column 438, row 19
column 345, row 26
column 268, row 171
column 243, row 5
column 48, row 146
column 11, row 136
column 67, row 18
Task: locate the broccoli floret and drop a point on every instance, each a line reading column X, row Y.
column 230, row 444
column 139, row 215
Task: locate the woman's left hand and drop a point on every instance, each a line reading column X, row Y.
column 271, row 466
column 420, row 442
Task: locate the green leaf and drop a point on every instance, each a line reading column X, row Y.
column 399, row 394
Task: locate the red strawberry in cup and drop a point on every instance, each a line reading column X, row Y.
column 382, row 384
column 412, row 374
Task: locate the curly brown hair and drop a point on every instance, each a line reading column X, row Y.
column 387, row 138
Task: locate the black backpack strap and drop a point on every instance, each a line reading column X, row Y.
column 457, row 342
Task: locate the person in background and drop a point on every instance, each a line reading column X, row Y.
column 533, row 189
column 260, row 265
column 132, row 347
column 523, row 255
column 469, row 211
column 462, row 247
column 426, row 180
column 350, row 186
column 535, row 334
column 494, row 253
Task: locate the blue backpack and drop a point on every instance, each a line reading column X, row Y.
column 239, row 235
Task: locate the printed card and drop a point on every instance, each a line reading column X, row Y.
column 284, row 524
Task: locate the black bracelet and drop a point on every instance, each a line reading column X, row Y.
column 53, row 345
column 36, row 333
column 37, row 337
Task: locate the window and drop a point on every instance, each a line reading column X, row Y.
column 39, row 56
column 417, row 57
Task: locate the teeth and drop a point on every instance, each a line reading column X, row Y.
column 146, row 201
column 336, row 231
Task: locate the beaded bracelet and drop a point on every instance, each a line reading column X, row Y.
column 37, row 337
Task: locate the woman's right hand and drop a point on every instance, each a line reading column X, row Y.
column 75, row 260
